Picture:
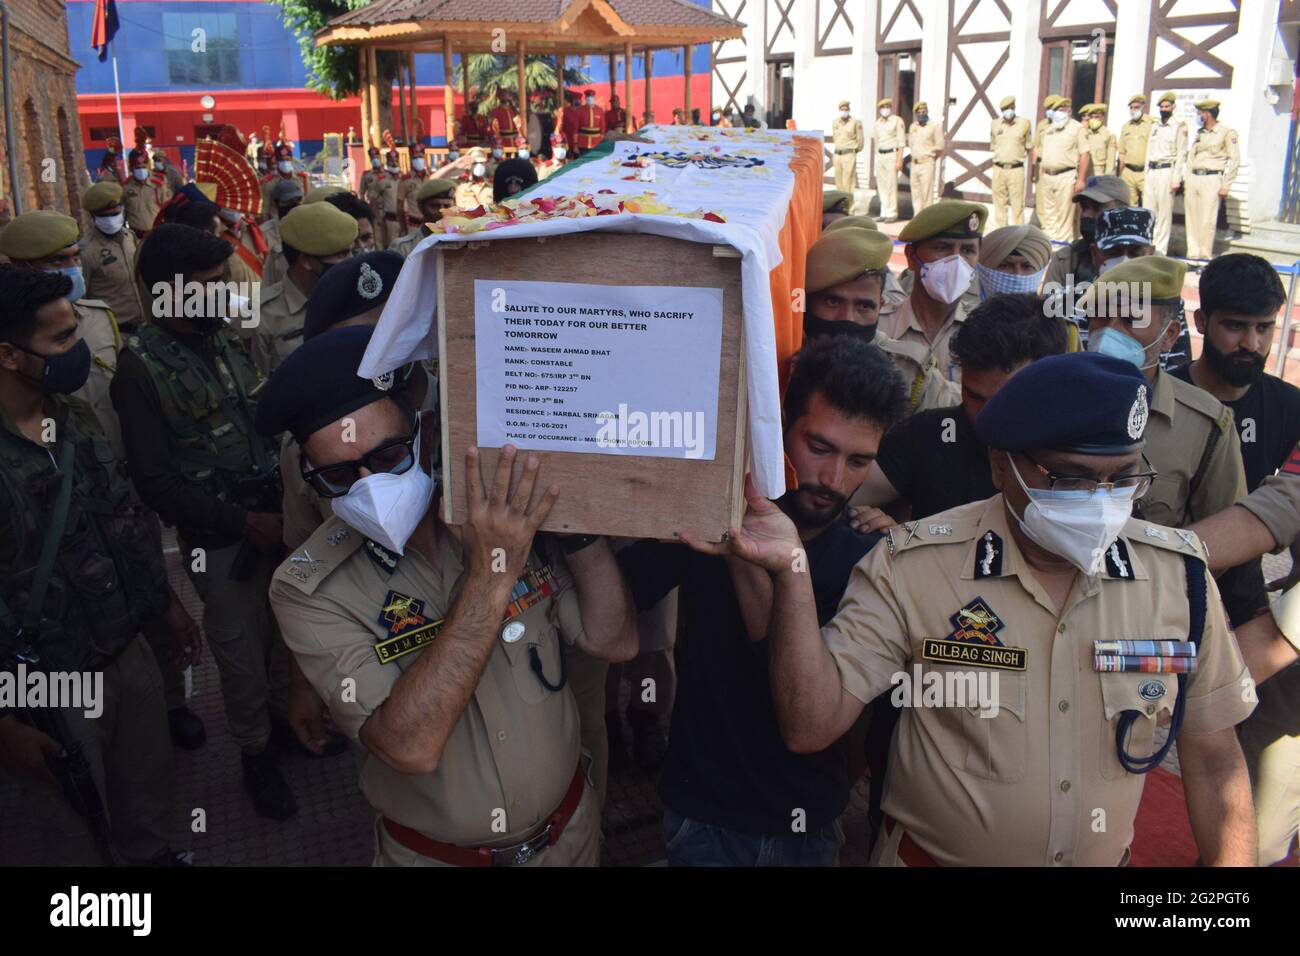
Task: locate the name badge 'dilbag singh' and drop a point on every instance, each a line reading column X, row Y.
column 974, row 641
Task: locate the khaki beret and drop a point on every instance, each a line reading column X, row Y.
column 478, row 154
column 1097, row 108
column 432, row 188
column 1064, row 102
column 845, row 254
column 1007, row 101
column 844, row 104
column 885, row 102
column 319, row 229
column 319, row 193
column 1137, row 98
column 948, row 217
column 1207, row 105
column 101, row 196
column 834, row 199
column 923, row 105
column 38, row 234
column 1161, row 279
column 1050, row 101
column 1170, row 97
column 851, row 222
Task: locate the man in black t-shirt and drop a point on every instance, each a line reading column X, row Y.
column 1240, row 298
column 733, row 793
column 934, row 461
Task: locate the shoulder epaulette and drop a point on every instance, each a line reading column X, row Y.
column 1179, row 540
column 1201, row 401
column 329, row 547
column 948, row 527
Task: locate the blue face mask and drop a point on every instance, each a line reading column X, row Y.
column 1118, row 345
column 78, row 282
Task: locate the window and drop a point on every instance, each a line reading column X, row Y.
column 209, row 58
column 1079, row 69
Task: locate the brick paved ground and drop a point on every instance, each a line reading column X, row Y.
column 333, row 825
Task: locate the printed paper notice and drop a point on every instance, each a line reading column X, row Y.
column 599, row 369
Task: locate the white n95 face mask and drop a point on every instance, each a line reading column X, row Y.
column 110, row 225
column 947, row 279
column 1076, row 525
column 387, row 508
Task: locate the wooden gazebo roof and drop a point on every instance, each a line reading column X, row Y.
column 545, row 26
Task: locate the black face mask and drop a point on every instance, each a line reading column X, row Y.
column 1088, row 229
column 1165, row 115
column 813, row 327
column 64, row 372
column 922, row 118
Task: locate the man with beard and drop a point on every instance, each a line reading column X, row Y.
column 733, row 793
column 1240, row 298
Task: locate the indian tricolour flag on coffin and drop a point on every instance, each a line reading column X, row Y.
column 104, row 27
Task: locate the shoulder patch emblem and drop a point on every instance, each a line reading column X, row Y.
column 1151, row 689
column 1137, row 415
column 408, row 628
column 974, row 641
column 976, row 621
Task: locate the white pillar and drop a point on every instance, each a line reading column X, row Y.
column 1026, row 61
column 935, row 61
column 1128, row 72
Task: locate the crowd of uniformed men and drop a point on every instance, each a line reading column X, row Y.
column 1008, row 470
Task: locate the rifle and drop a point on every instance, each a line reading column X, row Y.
column 260, row 492
column 71, row 769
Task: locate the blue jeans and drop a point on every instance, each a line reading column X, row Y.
column 693, row 843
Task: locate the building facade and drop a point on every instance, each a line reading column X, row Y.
column 46, row 170
column 800, row 57
column 243, row 67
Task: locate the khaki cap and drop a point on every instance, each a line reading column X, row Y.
column 844, row 104
column 885, row 102
column 435, row 187
column 1207, row 105
column 851, row 222
column 1161, row 276
column 833, row 199
column 1137, row 98
column 947, row 217
column 845, row 254
column 38, row 234
column 101, row 196
column 1007, row 101
column 1170, row 97
column 319, row 229
column 1051, row 101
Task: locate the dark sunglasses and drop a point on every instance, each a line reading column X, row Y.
column 392, row 457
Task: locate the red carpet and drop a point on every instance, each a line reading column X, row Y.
column 1162, row 834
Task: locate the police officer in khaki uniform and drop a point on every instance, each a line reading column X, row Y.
column 925, row 142
column 108, row 254
column 943, row 245
column 845, row 279
column 999, row 591
column 1073, row 265
column 143, row 195
column 1010, row 141
column 48, row 241
column 1212, row 165
column 847, row 141
column 408, row 186
column 1062, row 170
column 314, row 238
column 388, row 219
column 1102, row 145
column 449, row 674
column 890, row 136
column 1190, row 441
column 1040, row 130
column 477, row 190
column 1166, row 165
column 432, row 199
column 1134, row 136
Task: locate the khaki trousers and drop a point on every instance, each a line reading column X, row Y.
column 1055, row 205
column 1008, row 190
column 1270, row 741
column 251, row 659
column 1135, row 181
column 887, row 184
column 922, row 185
column 1201, row 211
column 1157, row 197
column 587, row 679
column 846, row 171
column 130, row 755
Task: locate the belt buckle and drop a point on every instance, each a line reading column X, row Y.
column 521, row 853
